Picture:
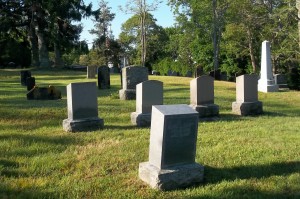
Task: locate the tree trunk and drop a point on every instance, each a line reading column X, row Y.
column 33, row 40
column 43, row 50
column 298, row 7
column 215, row 36
column 251, row 51
column 58, row 62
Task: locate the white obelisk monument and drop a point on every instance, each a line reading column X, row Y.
column 266, row 82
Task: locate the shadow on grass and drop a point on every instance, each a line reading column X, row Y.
column 216, row 175
column 246, row 192
column 127, row 127
column 8, row 192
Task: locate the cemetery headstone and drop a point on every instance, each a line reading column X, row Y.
column 91, row 72
column 24, row 75
column 172, row 149
column 281, row 81
column 82, row 108
column 131, row 76
column 172, row 73
column 202, row 96
column 266, row 82
column 103, row 77
column 30, row 81
column 148, row 93
column 247, row 96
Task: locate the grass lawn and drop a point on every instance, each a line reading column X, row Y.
column 244, row 157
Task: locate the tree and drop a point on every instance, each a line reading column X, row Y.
column 140, row 8
column 102, row 43
column 156, row 39
column 208, row 18
column 48, row 25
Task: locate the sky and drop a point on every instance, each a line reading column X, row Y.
column 163, row 15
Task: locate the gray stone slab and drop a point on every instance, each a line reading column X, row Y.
column 82, row 100
column 206, row 111
column 103, row 77
column 88, row 124
column 131, row 76
column 82, row 108
column 172, row 149
column 246, row 88
column 148, row 93
column 202, row 96
column 281, row 81
column 141, row 119
column 91, row 72
column 247, row 108
column 202, row 90
column 172, row 178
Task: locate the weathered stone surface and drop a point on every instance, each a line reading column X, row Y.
column 172, row 148
column 247, row 96
column 246, row 88
column 205, row 111
column 88, row 124
column 131, row 76
column 103, row 77
column 91, row 72
column 82, row 108
column 24, row 75
column 181, row 176
column 141, row 119
column 202, row 96
column 148, row 93
column 266, row 82
column 128, row 94
column 247, row 108
column 281, row 81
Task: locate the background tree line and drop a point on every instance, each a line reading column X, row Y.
column 208, row 35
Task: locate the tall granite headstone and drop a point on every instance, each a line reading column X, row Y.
column 266, row 82
column 202, row 96
column 91, row 72
column 82, row 108
column 172, row 150
column 24, row 75
column 131, row 76
column 148, row 93
column 103, row 77
column 30, row 82
column 247, row 96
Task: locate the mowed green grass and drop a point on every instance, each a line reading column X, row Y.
column 244, row 157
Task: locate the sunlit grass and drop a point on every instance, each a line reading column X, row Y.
column 244, row 157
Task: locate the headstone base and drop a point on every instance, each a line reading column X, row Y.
column 172, row 178
column 141, row 119
column 283, row 86
column 88, row 124
column 247, row 108
column 267, row 88
column 207, row 110
column 129, row 94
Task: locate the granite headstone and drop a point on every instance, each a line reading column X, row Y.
column 148, row 93
column 172, row 149
column 82, row 108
